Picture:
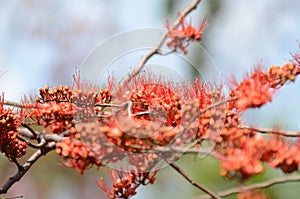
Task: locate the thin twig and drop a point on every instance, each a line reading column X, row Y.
column 272, row 131
column 13, row 104
column 187, row 150
column 108, row 105
column 13, row 197
column 199, row 186
column 156, row 49
column 21, row 172
column 259, row 185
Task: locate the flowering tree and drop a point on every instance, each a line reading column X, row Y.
column 143, row 122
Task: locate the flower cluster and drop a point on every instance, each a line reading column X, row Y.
column 148, row 115
column 181, row 35
column 244, row 150
column 282, row 155
column 53, row 108
column 60, row 107
column 253, row 92
column 257, row 89
column 252, row 194
column 59, row 116
column 279, row 75
column 138, row 122
column 75, row 155
column 58, row 94
column 10, row 144
column 242, row 155
column 125, row 184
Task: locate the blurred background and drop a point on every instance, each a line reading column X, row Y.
column 42, row 42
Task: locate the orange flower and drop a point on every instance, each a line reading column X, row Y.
column 253, row 91
column 76, row 155
column 181, row 35
column 125, row 184
column 252, row 194
column 10, row 144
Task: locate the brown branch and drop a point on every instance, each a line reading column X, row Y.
column 156, row 49
column 259, row 185
column 186, row 150
column 27, row 165
column 272, row 131
column 13, row 104
column 199, row 186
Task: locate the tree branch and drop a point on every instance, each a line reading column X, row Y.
column 13, row 197
column 48, row 137
column 156, row 49
column 13, row 104
column 183, row 150
column 259, row 185
column 27, row 165
column 199, row 186
column 272, row 131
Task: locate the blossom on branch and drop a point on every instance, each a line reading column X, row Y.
column 125, row 184
column 253, row 91
column 10, row 144
column 181, row 35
